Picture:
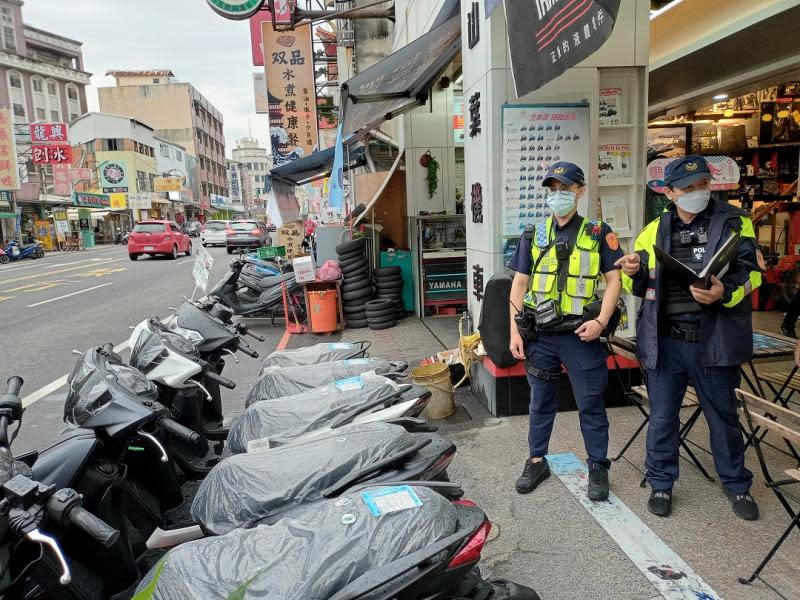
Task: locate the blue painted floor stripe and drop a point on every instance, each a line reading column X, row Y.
column 669, row 574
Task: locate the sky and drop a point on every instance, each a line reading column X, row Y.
column 186, row 36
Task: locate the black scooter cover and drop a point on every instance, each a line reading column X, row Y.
column 313, row 355
column 309, row 555
column 277, row 382
column 279, row 421
column 269, row 482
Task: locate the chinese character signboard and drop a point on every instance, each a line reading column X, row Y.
column 114, row 177
column 118, row 201
column 547, row 37
column 140, row 201
column 237, row 10
column 290, row 82
column 202, row 268
column 219, row 201
column 167, row 184
column 260, row 93
column 9, row 178
column 87, row 200
column 51, row 154
column 48, row 133
column 256, row 43
column 62, row 184
column 5, row 199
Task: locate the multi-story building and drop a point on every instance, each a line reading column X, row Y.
column 127, row 146
column 42, row 78
column 178, row 113
column 255, row 163
column 172, row 160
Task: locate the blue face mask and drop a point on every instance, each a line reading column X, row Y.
column 561, row 202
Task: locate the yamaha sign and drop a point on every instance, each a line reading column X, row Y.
column 238, row 10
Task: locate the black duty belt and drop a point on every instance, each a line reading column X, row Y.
column 568, row 325
column 685, row 332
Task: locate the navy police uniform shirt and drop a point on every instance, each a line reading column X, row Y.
column 610, row 251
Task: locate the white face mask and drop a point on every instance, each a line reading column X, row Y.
column 561, row 202
column 694, row 202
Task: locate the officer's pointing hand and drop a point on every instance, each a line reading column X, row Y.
column 630, row 264
column 710, row 295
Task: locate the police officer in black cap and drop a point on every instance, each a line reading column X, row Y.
column 693, row 334
column 558, row 266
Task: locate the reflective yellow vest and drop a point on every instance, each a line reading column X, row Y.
column 583, row 269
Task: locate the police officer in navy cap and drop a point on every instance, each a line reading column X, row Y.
column 690, row 334
column 558, row 266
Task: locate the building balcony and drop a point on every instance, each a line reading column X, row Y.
column 23, row 63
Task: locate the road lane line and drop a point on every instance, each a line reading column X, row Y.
column 100, row 262
column 61, row 381
column 42, row 263
column 183, row 262
column 68, row 295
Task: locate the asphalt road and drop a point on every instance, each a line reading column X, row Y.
column 77, row 300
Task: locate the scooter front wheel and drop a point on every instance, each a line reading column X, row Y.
column 4, row 259
column 39, row 252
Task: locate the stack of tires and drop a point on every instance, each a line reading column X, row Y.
column 356, row 281
column 381, row 313
column 389, row 286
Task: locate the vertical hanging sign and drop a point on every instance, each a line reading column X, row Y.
column 289, row 66
column 9, row 179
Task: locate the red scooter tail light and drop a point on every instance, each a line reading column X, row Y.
column 471, row 551
column 441, row 465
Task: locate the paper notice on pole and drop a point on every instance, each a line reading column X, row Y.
column 615, row 212
column 202, row 268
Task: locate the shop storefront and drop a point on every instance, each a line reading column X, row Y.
column 739, row 105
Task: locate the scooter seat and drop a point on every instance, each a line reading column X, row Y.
column 269, row 282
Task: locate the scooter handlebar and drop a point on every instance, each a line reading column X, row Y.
column 95, row 527
column 245, row 349
column 224, row 382
column 14, row 385
column 179, row 431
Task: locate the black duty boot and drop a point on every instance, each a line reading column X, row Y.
column 787, row 328
column 660, row 503
column 743, row 505
column 598, row 482
column 532, row 475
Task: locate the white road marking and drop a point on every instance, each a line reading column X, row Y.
column 183, row 262
column 61, row 381
column 68, row 295
column 45, row 265
column 663, row 568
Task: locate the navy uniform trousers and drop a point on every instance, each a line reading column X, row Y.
column 678, row 363
column 588, row 374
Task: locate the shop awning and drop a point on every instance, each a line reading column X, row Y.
column 400, row 82
column 316, row 166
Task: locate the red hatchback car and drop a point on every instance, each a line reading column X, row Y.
column 158, row 237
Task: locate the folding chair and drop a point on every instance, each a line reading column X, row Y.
column 638, row 396
column 784, row 423
column 789, row 383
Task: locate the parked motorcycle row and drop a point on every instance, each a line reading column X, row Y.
column 13, row 251
column 327, row 484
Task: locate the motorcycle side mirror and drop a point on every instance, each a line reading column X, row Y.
column 76, row 352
